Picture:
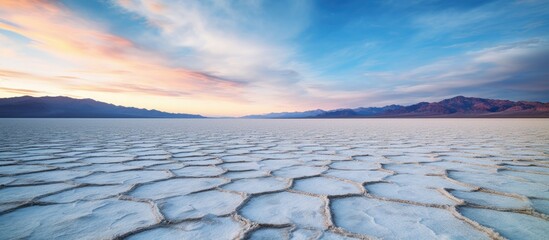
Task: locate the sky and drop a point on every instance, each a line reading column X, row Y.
column 233, row 58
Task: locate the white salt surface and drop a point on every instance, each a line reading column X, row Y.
column 246, row 174
column 326, row 186
column 197, row 205
column 286, row 208
column 492, row 200
column 274, row 179
column 270, row 234
column 198, row 171
column 412, row 193
column 175, row 187
column 125, row 177
column 508, row 224
column 81, row 220
column 541, row 205
column 299, row 171
column 355, row 165
column 25, row 193
column 207, row 228
column 503, row 183
column 50, row 176
column 390, row 220
column 257, row 185
column 86, row 193
column 359, row 176
column 19, row 169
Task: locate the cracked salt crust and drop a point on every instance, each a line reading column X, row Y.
column 279, row 179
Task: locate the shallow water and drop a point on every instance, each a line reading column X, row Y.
column 265, row 179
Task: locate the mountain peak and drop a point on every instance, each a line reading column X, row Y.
column 66, row 107
column 458, row 106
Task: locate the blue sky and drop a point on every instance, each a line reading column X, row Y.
column 240, row 57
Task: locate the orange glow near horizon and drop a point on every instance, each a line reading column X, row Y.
column 82, row 60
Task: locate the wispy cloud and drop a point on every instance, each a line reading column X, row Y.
column 518, row 68
column 19, row 91
column 243, row 40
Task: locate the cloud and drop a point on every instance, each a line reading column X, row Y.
column 119, row 88
column 20, row 91
column 85, row 45
column 518, row 67
column 244, row 40
column 503, row 19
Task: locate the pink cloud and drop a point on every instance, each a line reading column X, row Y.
column 59, row 32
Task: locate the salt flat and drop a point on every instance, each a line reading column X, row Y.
column 274, row 179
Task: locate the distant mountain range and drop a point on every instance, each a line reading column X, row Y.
column 65, row 107
column 459, row 106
